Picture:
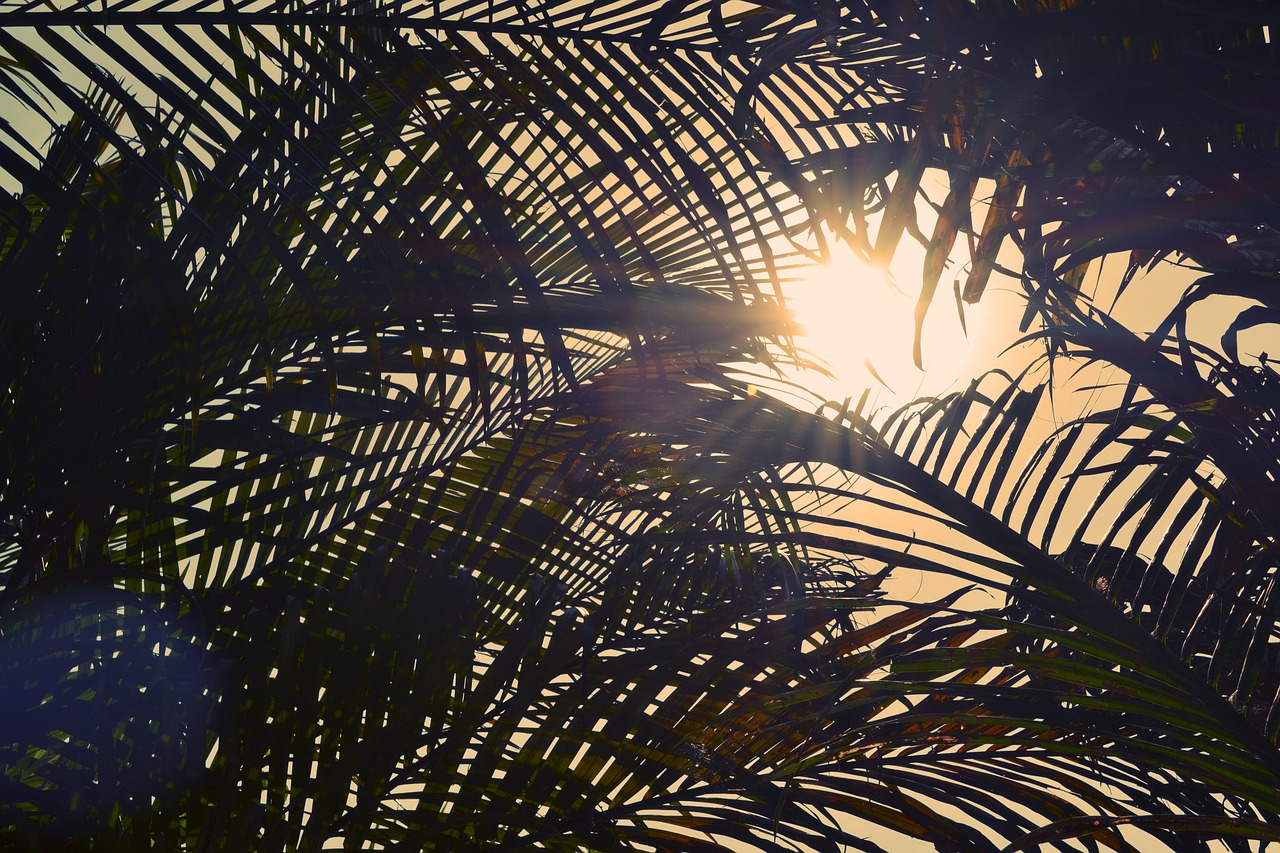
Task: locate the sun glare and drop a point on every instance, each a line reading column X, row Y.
column 858, row 324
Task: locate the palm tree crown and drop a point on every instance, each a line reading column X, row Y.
column 397, row 452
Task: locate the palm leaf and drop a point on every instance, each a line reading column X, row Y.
column 379, row 465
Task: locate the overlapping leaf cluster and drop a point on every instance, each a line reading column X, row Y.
column 1130, row 129
column 389, row 459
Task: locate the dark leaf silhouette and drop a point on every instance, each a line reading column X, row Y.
column 397, row 451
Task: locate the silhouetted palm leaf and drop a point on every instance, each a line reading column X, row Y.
column 382, row 464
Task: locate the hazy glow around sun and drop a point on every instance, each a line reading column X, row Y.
column 856, row 321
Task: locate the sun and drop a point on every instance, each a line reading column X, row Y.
column 858, row 323
column 854, row 322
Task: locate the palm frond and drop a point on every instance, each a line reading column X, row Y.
column 381, row 464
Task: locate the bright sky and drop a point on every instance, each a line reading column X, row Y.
column 859, row 320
